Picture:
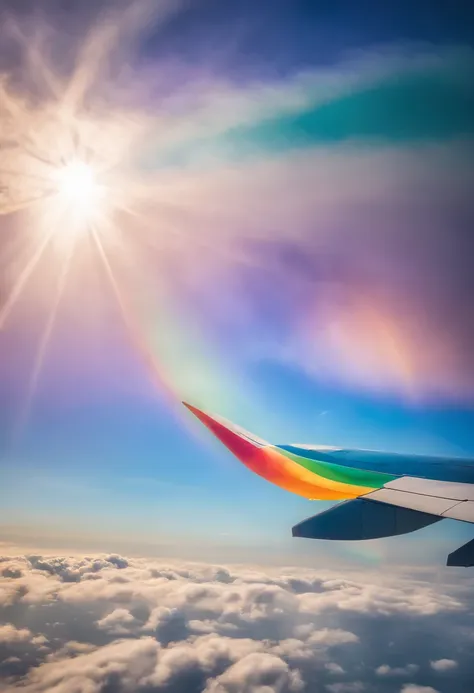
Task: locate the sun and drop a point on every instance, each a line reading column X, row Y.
column 79, row 190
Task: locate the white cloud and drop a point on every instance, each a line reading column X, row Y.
column 329, row 637
column 386, row 670
column 346, row 687
column 257, row 672
column 444, row 664
column 117, row 621
column 10, row 634
column 413, row 688
column 382, row 598
column 155, row 626
column 71, row 649
column 129, row 660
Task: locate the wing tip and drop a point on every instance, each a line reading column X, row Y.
column 239, row 441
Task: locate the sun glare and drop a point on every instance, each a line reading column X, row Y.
column 74, row 169
column 79, row 189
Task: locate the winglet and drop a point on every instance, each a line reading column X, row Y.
column 268, row 461
column 240, row 442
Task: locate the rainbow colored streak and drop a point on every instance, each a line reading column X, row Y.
column 298, row 473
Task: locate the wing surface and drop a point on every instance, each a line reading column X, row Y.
column 399, row 507
column 359, row 519
column 440, row 498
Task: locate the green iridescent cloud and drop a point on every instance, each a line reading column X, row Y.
column 412, row 107
column 406, row 106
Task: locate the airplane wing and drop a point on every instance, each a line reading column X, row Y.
column 382, row 498
column 440, row 498
column 400, row 507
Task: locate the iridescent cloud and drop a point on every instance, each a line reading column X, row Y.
column 314, row 218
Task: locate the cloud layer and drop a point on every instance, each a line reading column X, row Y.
column 116, row 625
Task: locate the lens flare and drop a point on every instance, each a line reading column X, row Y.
column 80, row 190
column 74, row 186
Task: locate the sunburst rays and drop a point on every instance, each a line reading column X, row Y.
column 68, row 175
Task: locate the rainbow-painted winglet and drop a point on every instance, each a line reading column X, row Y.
column 239, row 441
column 311, row 478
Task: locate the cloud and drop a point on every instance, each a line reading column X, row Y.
column 108, row 623
column 412, row 688
column 444, row 664
column 117, row 621
column 127, row 661
column 349, row 687
column 10, row 634
column 329, row 637
column 260, row 671
column 385, row 670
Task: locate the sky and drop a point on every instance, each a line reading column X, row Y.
column 263, row 208
column 285, row 239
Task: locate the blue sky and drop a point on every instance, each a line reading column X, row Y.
column 321, row 293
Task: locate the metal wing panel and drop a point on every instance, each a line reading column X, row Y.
column 462, row 511
column 413, row 501
column 440, row 498
column 436, row 489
